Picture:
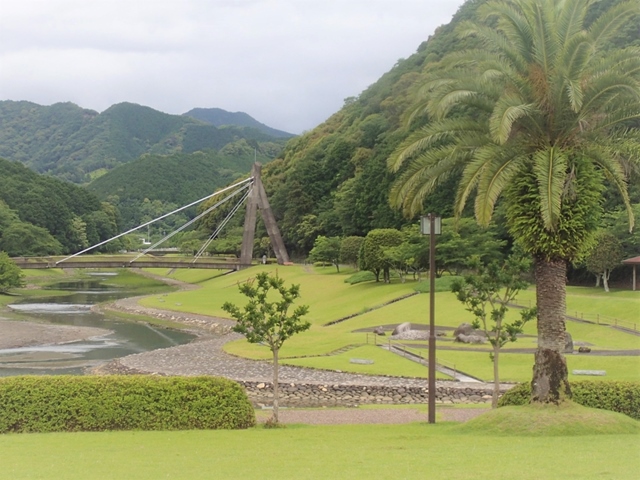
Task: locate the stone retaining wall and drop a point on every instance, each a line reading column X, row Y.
column 313, row 395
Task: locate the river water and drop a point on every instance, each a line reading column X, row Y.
column 75, row 309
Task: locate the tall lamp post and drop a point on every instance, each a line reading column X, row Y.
column 431, row 225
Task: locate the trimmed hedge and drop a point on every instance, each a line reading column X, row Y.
column 621, row 397
column 69, row 403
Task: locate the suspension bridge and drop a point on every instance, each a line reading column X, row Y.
column 250, row 191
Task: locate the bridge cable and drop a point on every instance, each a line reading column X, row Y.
column 221, row 226
column 190, row 222
column 250, row 179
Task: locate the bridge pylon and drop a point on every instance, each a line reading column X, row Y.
column 258, row 200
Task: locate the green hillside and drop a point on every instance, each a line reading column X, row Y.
column 41, row 215
column 219, row 117
column 334, row 181
column 155, row 184
column 77, row 144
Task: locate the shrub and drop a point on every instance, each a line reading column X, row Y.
column 621, row 397
column 137, row 402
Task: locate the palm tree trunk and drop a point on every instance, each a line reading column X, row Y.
column 550, row 384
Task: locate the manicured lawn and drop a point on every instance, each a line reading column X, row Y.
column 330, row 298
column 306, row 452
column 386, row 363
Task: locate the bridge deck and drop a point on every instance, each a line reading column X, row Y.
column 97, row 262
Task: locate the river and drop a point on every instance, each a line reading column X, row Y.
column 75, row 309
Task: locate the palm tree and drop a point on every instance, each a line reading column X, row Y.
column 539, row 114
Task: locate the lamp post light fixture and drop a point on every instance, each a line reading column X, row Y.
column 431, row 225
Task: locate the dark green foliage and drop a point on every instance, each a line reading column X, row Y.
column 577, row 223
column 337, row 173
column 326, row 249
column 463, row 238
column 40, row 207
column 98, row 403
column 372, row 256
column 350, row 249
column 78, row 144
column 171, row 181
column 22, row 239
column 11, row 275
column 617, row 396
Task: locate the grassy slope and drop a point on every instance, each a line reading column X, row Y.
column 330, row 298
column 339, row 451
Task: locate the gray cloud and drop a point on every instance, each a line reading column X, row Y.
column 288, row 63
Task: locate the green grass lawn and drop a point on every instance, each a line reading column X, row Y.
column 323, row 452
column 330, row 298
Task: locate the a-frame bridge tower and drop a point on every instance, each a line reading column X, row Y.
column 257, row 200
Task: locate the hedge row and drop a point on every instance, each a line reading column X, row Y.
column 95, row 403
column 622, row 397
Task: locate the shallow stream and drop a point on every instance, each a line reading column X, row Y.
column 75, row 309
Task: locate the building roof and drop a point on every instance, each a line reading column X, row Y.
column 632, row 261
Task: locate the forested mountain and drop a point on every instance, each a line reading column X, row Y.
column 77, row 144
column 219, row 117
column 41, row 215
column 156, row 184
column 334, row 181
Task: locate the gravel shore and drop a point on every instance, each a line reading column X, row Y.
column 16, row 334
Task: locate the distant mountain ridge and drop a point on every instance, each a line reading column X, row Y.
column 219, row 117
column 78, row 144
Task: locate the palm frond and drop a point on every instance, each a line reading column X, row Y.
column 544, row 47
column 512, row 22
column 494, row 179
column 437, row 133
column 549, row 168
column 423, row 174
column 571, row 16
column 507, row 111
column 608, row 24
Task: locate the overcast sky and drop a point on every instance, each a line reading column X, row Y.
column 287, row 63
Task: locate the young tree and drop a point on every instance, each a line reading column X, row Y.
column 372, row 256
column 350, row 249
column 265, row 319
column 11, row 276
column 326, row 249
column 538, row 114
column 606, row 255
column 486, row 294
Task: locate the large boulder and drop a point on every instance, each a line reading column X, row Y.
column 403, row 327
column 379, row 331
column 463, row 329
column 462, row 338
